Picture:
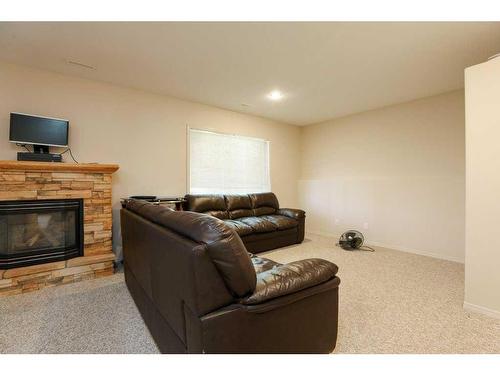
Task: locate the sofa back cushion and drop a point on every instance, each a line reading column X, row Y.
column 264, row 203
column 210, row 204
column 238, row 206
column 224, row 246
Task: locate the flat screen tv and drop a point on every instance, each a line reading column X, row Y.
column 38, row 131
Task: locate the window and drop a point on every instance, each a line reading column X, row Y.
column 231, row 164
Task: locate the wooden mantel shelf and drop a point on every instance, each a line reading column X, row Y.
column 57, row 167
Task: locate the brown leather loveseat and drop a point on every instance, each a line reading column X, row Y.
column 200, row 291
column 257, row 218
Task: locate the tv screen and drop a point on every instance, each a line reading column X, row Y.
column 29, row 129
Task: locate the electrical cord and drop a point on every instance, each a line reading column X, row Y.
column 367, row 248
column 70, row 153
column 363, row 248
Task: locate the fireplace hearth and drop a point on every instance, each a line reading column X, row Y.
column 34, row 232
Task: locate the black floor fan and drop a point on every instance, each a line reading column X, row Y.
column 353, row 240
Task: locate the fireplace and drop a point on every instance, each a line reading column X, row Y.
column 40, row 231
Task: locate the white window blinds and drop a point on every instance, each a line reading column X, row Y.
column 231, row 164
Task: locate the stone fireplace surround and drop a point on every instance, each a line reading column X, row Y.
column 38, row 180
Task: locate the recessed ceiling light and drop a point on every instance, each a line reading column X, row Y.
column 275, row 95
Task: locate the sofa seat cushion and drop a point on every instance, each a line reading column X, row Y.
column 241, row 228
column 289, row 278
column 262, row 264
column 258, row 224
column 282, row 222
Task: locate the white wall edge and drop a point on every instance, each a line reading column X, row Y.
column 118, row 250
column 481, row 310
column 395, row 247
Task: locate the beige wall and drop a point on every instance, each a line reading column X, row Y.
column 395, row 173
column 482, row 255
column 144, row 133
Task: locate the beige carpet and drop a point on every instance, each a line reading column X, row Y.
column 396, row 302
column 390, row 302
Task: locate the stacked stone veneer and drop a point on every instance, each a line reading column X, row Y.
column 35, row 181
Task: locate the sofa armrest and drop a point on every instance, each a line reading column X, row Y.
column 290, row 278
column 292, row 213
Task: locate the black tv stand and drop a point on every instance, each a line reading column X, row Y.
column 40, row 153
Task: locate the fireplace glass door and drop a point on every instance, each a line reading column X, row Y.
column 34, row 232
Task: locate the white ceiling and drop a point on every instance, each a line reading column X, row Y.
column 325, row 70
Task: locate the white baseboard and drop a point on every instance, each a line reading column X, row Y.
column 481, row 310
column 395, row 247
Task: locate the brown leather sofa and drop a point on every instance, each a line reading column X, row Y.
column 257, row 218
column 200, row 291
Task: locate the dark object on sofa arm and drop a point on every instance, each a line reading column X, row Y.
column 199, row 290
column 257, row 218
